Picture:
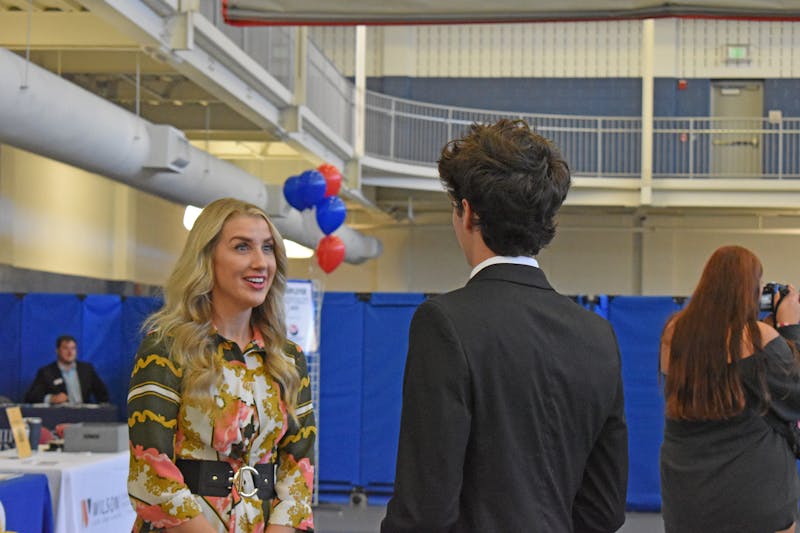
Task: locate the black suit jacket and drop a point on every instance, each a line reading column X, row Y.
column 512, row 414
column 50, row 381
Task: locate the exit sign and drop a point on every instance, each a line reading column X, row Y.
column 737, row 53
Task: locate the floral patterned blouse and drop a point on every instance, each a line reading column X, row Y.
column 242, row 421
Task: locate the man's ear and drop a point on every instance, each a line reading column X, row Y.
column 468, row 216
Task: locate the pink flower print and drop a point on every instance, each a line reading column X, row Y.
column 228, row 424
column 221, row 504
column 307, row 524
column 158, row 462
column 307, row 470
column 156, row 516
column 180, row 438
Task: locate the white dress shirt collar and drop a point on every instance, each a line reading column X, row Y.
column 498, row 259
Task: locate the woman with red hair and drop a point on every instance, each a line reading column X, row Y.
column 732, row 383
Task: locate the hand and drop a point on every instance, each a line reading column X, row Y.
column 789, row 310
column 61, row 397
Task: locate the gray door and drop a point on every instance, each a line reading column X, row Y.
column 736, row 141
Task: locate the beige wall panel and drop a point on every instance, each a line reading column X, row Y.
column 590, row 261
column 773, row 48
column 399, row 55
column 570, row 49
column 683, row 48
column 63, row 217
column 157, row 238
column 676, row 251
column 665, row 48
column 64, row 220
column 435, row 263
column 339, row 44
column 6, row 210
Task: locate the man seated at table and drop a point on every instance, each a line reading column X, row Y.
column 67, row 380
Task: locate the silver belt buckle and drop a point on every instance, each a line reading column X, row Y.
column 238, row 481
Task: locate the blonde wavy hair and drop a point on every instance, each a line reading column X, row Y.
column 184, row 322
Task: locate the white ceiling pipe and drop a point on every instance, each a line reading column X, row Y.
column 47, row 115
column 370, row 247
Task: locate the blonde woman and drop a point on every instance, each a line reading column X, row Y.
column 221, row 424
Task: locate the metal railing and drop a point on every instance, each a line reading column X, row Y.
column 272, row 47
column 414, row 132
column 596, row 146
column 329, row 94
column 704, row 147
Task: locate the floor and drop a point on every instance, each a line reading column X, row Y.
column 345, row 518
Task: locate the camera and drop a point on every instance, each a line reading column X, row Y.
column 767, row 298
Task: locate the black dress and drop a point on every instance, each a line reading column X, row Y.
column 736, row 475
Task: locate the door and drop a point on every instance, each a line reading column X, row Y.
column 737, row 108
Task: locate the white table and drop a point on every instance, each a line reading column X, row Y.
column 89, row 490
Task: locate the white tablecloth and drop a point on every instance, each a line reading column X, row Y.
column 89, row 490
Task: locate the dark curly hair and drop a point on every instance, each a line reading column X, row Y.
column 514, row 180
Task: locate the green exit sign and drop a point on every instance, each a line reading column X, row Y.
column 737, row 52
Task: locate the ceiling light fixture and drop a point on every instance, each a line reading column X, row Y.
column 190, row 215
column 297, row 251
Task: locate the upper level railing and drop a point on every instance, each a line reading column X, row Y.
column 329, row 94
column 272, row 47
column 683, row 147
column 594, row 146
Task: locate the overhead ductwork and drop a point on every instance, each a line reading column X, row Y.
column 299, row 12
column 47, row 115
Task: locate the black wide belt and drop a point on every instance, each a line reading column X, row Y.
column 217, row 478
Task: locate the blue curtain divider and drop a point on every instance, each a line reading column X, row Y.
column 341, row 382
column 44, row 318
column 10, row 340
column 102, row 340
column 362, row 356
column 638, row 321
column 386, row 323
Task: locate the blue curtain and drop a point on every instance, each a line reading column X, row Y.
column 102, row 337
column 10, row 324
column 44, row 318
column 638, row 321
column 341, row 381
column 386, row 323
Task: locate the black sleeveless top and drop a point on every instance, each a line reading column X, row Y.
column 739, row 474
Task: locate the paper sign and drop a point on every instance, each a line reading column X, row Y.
column 298, row 302
column 18, row 430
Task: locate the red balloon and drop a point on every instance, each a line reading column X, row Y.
column 333, row 179
column 330, row 253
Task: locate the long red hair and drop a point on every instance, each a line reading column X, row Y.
column 703, row 381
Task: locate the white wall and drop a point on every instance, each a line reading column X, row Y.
column 686, row 48
column 57, row 218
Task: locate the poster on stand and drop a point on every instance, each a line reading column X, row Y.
column 299, row 304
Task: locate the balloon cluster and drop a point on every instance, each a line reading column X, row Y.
column 318, row 189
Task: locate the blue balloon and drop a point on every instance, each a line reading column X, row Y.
column 331, row 213
column 293, row 192
column 312, row 186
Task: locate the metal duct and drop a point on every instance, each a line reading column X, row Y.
column 312, row 12
column 47, row 115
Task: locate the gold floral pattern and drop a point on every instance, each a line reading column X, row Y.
column 242, row 421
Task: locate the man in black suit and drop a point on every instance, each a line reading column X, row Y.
column 67, row 380
column 512, row 414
